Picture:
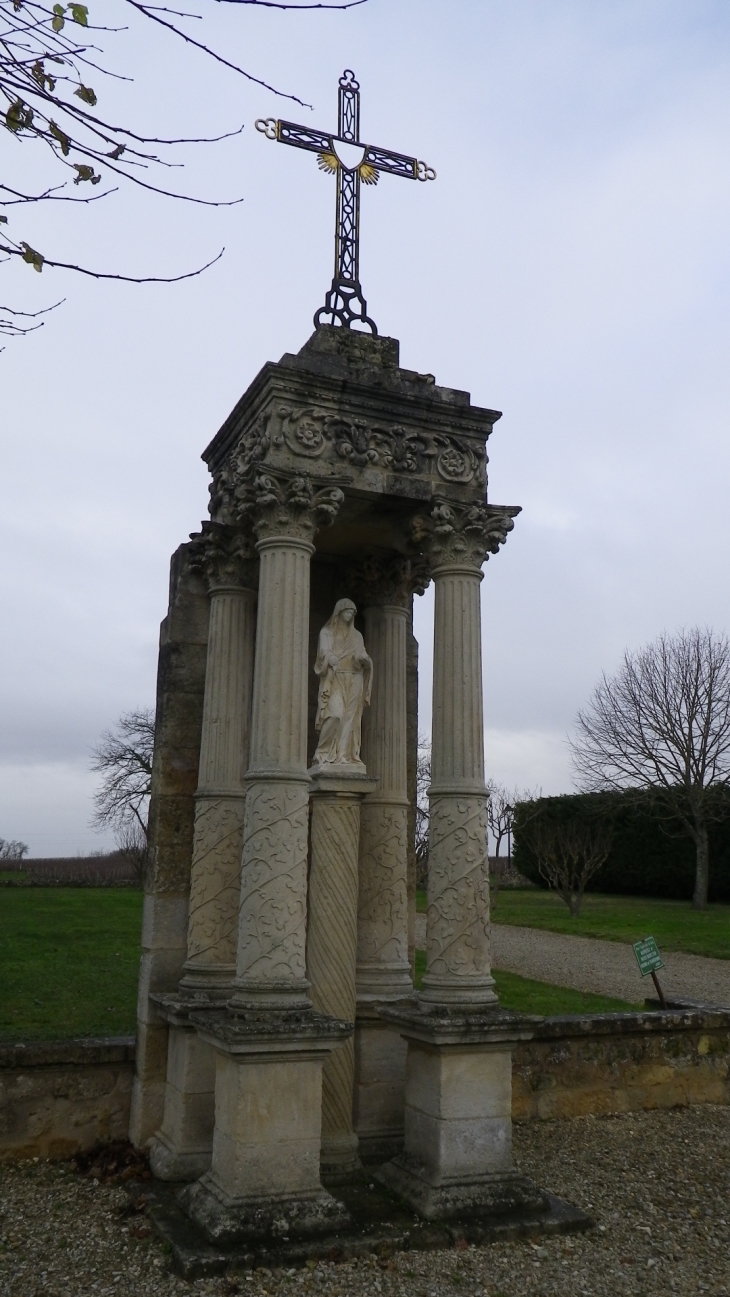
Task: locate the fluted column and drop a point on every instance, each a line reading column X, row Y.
column 214, row 883
column 271, row 958
column 457, row 927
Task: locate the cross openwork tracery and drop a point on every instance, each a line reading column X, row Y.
column 352, row 162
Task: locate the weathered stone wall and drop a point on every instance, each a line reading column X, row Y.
column 56, row 1099
column 622, row 1062
column 61, row 1097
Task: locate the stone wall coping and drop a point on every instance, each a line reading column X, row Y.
column 571, row 1026
column 18, row 1055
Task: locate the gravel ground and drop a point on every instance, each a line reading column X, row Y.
column 657, row 1184
column 604, row 967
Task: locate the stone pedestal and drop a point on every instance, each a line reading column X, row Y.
column 331, row 944
column 457, row 1155
column 181, row 1148
column 264, row 1179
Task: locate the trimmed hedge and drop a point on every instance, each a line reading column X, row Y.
column 650, row 855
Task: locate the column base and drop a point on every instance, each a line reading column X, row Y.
column 490, row 1194
column 277, row 1218
column 339, row 1159
column 379, row 1089
column 182, row 1147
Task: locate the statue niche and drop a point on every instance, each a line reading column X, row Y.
column 345, row 683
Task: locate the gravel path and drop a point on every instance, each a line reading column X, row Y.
column 604, row 967
column 657, row 1184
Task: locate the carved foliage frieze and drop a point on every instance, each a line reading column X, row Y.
column 387, row 579
column 458, row 888
column 311, row 432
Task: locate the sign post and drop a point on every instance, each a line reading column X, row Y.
column 650, row 961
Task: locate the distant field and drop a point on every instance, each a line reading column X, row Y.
column 675, row 924
column 526, row 996
column 69, row 960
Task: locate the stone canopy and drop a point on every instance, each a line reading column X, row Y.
column 280, row 1040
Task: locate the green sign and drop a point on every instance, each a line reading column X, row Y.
column 647, row 956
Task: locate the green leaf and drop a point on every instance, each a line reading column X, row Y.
column 85, row 172
column 80, row 14
column 62, row 138
column 18, row 116
column 87, row 94
column 57, row 20
column 34, row 259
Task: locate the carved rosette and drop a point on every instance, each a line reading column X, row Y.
column 462, row 534
column 225, row 557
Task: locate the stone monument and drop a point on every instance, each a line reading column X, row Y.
column 280, row 1042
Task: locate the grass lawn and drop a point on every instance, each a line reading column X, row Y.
column 69, row 961
column 674, row 924
column 526, row 996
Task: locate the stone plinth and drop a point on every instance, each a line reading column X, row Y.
column 264, row 1179
column 331, row 943
column 457, row 1152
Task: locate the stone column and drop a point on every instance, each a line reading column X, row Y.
column 183, row 1145
column 178, row 719
column 457, row 1147
column 270, row 1042
column 331, row 945
column 383, row 967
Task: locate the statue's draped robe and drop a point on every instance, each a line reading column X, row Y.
column 343, row 692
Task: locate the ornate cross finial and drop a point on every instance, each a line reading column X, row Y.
column 352, row 162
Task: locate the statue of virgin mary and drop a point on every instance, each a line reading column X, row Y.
column 345, row 682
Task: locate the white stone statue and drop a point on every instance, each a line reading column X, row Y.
column 345, row 683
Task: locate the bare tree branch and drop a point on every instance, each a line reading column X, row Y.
column 123, row 756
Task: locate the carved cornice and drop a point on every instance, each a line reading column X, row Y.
column 225, row 558
column 462, row 534
column 387, row 579
column 280, row 504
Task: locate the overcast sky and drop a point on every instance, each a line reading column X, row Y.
column 569, row 266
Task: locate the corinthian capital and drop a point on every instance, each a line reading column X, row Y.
column 464, row 534
column 387, row 579
column 281, row 504
column 224, row 557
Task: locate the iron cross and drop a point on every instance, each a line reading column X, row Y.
column 343, row 154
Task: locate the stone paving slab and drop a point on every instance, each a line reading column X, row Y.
column 603, row 967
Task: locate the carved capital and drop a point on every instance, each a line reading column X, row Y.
column 279, row 504
column 387, row 579
column 225, row 557
column 462, row 534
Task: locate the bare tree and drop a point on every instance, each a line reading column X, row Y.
column 52, row 69
column 568, row 852
column 501, row 818
column 123, row 756
column 131, row 841
column 423, row 780
column 662, row 724
column 10, row 850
